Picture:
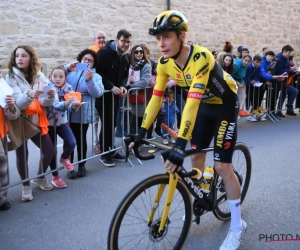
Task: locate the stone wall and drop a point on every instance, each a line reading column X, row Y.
column 58, row 30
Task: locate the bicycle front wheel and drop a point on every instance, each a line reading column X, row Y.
column 129, row 227
column 241, row 163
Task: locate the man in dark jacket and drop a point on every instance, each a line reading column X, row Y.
column 112, row 65
column 283, row 66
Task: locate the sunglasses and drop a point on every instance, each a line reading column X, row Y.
column 138, row 51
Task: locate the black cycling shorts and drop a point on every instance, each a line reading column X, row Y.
column 218, row 121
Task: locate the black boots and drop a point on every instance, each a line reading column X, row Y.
column 81, row 171
column 290, row 110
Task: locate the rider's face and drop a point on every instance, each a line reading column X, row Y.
column 168, row 43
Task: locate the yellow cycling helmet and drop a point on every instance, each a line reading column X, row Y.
column 170, row 20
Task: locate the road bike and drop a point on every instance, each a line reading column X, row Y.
column 150, row 216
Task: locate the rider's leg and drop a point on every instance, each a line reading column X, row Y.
column 198, row 161
column 233, row 193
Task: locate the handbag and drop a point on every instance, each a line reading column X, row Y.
column 16, row 128
column 137, row 97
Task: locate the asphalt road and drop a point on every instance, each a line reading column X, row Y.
column 79, row 216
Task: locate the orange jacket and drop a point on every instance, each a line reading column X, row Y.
column 3, row 127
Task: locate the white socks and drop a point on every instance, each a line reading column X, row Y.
column 236, row 220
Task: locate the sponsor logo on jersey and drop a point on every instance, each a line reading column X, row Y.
column 178, row 75
column 221, row 133
column 193, row 146
column 218, row 85
column 187, row 125
column 199, row 86
column 227, row 145
column 197, row 56
column 194, row 95
column 204, row 68
column 207, row 95
column 199, row 76
column 144, row 118
column 188, row 76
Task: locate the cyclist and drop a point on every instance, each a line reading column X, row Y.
column 195, row 69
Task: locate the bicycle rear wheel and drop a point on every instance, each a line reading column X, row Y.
column 129, row 228
column 241, row 163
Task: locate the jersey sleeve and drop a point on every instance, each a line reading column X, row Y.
column 203, row 66
column 156, row 99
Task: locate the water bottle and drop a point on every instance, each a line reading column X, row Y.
column 208, row 176
column 200, row 180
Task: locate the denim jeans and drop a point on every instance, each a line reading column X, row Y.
column 292, row 93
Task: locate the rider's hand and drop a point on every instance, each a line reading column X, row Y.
column 175, row 158
column 136, row 142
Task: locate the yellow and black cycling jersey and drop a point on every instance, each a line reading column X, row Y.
column 202, row 77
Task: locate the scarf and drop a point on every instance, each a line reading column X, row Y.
column 3, row 127
column 36, row 108
column 138, row 65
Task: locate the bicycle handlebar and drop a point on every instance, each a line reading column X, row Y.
column 130, row 138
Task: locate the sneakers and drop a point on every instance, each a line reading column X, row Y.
column 26, row 193
column 42, row 183
column 118, row 157
column 261, row 109
column 243, row 113
column 165, row 141
column 72, row 175
column 279, row 113
column 262, row 119
column 252, row 118
column 172, row 140
column 67, row 164
column 256, row 112
column 233, row 240
column 107, row 162
column 5, row 206
column 58, row 182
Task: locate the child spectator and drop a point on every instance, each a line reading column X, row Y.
column 239, row 73
column 58, row 118
column 27, row 81
column 171, row 109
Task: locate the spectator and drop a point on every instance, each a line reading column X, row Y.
column 228, row 47
column 226, row 62
column 282, row 66
column 264, row 50
column 27, row 81
column 99, row 43
column 239, row 73
column 139, row 77
column 151, row 83
column 189, row 43
column 244, row 51
column 113, row 65
column 255, row 93
column 215, row 53
column 239, row 51
column 58, row 119
column 89, row 84
column 169, row 105
column 11, row 111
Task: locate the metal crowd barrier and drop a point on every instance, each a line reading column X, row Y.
column 126, row 109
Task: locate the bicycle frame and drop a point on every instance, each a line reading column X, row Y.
column 206, row 201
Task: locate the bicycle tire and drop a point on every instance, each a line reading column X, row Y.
column 241, row 157
column 141, row 234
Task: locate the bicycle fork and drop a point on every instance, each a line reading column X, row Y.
column 171, row 190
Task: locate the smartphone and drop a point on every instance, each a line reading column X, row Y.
column 82, row 66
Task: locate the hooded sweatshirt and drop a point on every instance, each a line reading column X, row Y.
column 239, row 71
